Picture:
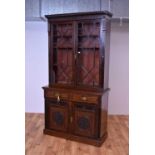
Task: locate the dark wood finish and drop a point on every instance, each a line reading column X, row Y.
column 103, row 114
column 92, row 141
column 76, row 99
column 56, row 94
column 85, row 98
column 85, row 119
column 57, row 115
column 93, row 13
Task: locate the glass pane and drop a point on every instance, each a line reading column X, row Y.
column 62, row 53
column 88, row 53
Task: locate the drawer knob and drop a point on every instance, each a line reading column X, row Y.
column 84, row 98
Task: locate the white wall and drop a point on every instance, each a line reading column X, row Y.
column 36, row 53
column 119, row 70
column 36, row 67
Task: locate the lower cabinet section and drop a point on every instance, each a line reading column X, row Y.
column 75, row 120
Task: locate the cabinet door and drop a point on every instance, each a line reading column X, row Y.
column 88, row 53
column 85, row 122
column 62, row 53
column 56, row 115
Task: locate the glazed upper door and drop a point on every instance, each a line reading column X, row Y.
column 75, row 58
column 63, row 49
column 88, row 53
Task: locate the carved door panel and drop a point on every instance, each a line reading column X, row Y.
column 62, row 47
column 88, row 53
column 56, row 115
column 85, row 123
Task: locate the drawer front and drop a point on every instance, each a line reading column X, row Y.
column 56, row 94
column 85, row 98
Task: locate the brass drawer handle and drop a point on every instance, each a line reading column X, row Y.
column 84, row 98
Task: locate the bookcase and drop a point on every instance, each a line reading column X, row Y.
column 76, row 98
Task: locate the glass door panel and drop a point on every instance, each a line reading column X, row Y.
column 88, row 56
column 63, row 45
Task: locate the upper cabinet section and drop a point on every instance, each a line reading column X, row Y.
column 78, row 49
column 32, row 10
column 37, row 9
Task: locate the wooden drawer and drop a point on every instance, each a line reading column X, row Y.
column 85, row 98
column 56, row 94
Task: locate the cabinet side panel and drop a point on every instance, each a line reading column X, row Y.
column 104, row 114
column 50, row 51
column 107, row 55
